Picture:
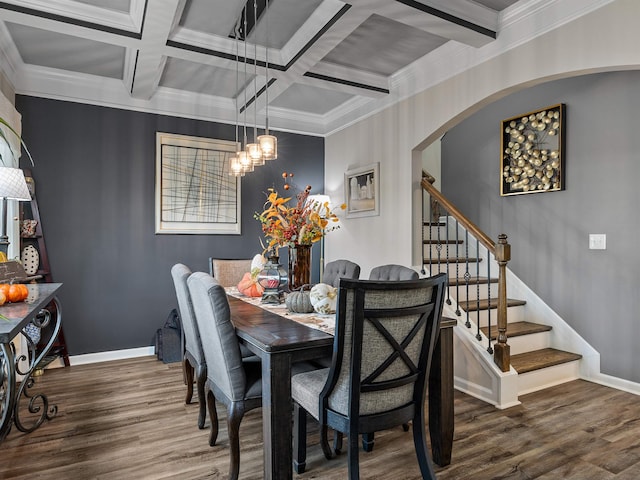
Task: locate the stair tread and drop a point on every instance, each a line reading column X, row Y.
column 442, row 241
column 486, row 304
column 428, row 261
column 517, row 329
column 472, row 281
column 538, row 359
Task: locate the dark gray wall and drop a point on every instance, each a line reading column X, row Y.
column 94, row 174
column 595, row 291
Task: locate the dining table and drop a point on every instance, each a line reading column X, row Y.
column 280, row 339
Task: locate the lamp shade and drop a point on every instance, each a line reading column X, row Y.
column 13, row 185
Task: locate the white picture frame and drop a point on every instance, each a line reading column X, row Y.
column 194, row 193
column 362, row 191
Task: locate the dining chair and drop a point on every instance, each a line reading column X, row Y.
column 337, row 269
column 389, row 272
column 235, row 383
column 385, row 335
column 393, row 272
column 193, row 357
column 228, row 272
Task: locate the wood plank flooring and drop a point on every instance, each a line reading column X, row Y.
column 127, row 420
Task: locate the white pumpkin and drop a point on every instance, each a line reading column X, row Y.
column 324, row 298
column 258, row 262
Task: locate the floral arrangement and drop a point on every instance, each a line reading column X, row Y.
column 302, row 224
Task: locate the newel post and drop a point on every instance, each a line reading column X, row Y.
column 502, row 355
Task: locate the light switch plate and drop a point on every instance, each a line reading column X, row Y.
column 597, row 241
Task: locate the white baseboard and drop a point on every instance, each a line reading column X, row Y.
column 112, row 355
column 615, row 382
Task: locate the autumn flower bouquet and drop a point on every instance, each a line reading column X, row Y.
column 304, row 223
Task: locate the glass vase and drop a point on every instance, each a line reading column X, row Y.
column 299, row 266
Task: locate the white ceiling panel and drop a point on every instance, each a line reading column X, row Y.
column 196, row 77
column 118, row 5
column 368, row 48
column 306, row 98
column 65, row 52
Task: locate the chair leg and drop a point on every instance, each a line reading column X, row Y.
column 201, row 378
column 422, row 451
column 353, row 460
column 299, row 439
column 337, row 442
column 213, row 416
column 324, row 442
column 236, row 412
column 405, row 427
column 187, row 371
column 368, row 439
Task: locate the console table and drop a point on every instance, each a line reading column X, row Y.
column 16, row 316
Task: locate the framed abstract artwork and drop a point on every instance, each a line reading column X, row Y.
column 532, row 152
column 362, row 191
column 194, row 192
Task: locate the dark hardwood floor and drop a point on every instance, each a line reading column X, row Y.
column 127, row 420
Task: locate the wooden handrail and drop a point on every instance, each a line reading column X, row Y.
column 482, row 237
column 502, row 254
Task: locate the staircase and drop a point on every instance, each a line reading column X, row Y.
column 538, row 349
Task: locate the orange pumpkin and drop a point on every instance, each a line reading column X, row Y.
column 3, row 299
column 4, row 288
column 249, row 287
column 16, row 293
column 25, row 291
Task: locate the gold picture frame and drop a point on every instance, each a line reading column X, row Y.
column 532, row 152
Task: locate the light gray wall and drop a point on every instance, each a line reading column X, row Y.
column 95, row 174
column 595, row 291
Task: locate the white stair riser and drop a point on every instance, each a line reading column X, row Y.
column 548, row 377
column 451, row 271
column 435, row 231
column 461, row 293
column 514, row 314
column 527, row 343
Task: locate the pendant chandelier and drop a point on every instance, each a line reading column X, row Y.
column 253, row 149
column 264, row 147
column 268, row 143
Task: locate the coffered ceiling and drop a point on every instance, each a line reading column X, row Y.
column 328, row 62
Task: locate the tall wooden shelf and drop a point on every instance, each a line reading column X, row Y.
column 30, row 210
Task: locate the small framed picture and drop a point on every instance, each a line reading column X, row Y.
column 362, row 191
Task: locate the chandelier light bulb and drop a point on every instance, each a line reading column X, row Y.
column 268, row 146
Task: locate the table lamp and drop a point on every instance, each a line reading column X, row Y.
column 12, row 186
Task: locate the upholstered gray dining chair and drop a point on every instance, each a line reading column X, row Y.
column 229, row 272
column 393, row 272
column 235, row 383
column 337, row 269
column 385, row 335
column 193, row 358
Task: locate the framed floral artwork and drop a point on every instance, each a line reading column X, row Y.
column 195, row 194
column 362, row 191
column 532, row 152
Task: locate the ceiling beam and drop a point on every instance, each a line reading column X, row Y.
column 150, row 58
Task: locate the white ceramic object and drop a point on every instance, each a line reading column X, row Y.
column 324, row 298
column 30, row 259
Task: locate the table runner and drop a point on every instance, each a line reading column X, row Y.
column 324, row 323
